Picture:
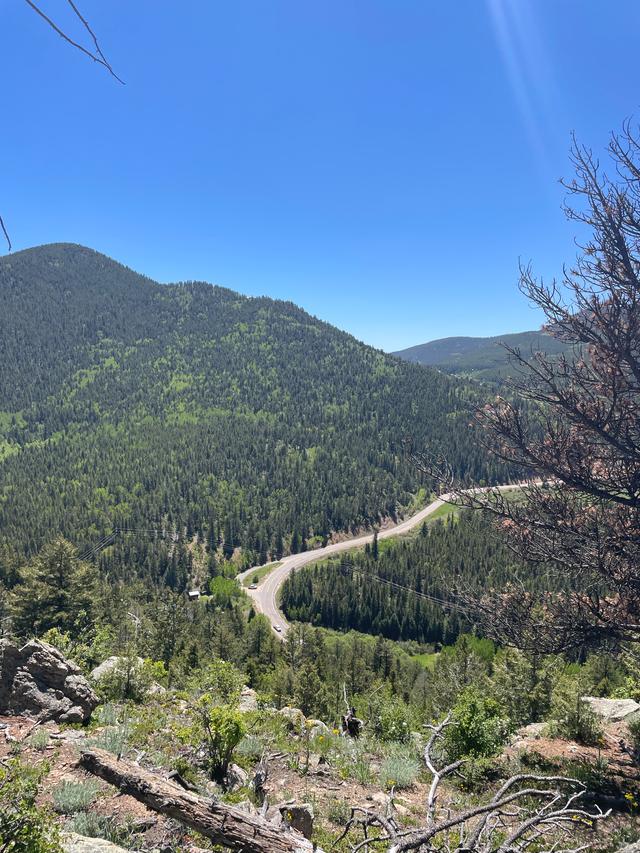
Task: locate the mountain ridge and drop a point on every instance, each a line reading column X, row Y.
column 483, row 358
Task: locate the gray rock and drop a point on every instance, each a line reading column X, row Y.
column 612, row 710
column 317, row 727
column 248, row 700
column 294, row 717
column 298, row 816
column 37, row 680
column 630, row 848
column 236, row 778
column 73, row 843
column 107, row 666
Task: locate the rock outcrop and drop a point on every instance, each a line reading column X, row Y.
column 72, row 843
column 612, row 710
column 248, row 700
column 298, row 816
column 37, row 680
column 294, row 718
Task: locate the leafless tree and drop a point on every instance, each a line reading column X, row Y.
column 94, row 53
column 527, row 812
column 573, row 422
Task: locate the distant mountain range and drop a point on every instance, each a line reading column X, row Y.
column 480, row 358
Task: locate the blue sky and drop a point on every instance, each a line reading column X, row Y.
column 382, row 164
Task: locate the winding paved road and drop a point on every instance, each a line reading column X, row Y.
column 265, row 596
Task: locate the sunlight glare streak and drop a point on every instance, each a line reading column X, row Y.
column 527, row 71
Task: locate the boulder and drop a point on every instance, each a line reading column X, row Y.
column 107, row 666
column 236, row 778
column 612, row 710
column 316, row 728
column 248, row 700
column 294, row 718
column 73, row 843
column 298, row 816
column 37, row 680
column 114, row 662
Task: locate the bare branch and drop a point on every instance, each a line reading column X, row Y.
column 5, row 232
column 96, row 57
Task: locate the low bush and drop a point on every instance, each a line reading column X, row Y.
column 216, row 729
column 72, row 797
column 114, row 739
column 99, row 826
column 571, row 717
column 352, row 759
column 39, row 740
column 250, row 748
column 25, row 827
column 478, row 728
column 399, row 769
column 338, row 811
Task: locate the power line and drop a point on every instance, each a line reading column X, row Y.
column 442, row 602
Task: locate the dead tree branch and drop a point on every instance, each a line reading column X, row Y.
column 98, row 56
column 223, row 824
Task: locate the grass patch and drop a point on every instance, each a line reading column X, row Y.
column 259, row 574
column 444, row 511
column 399, row 770
column 72, row 797
column 426, row 659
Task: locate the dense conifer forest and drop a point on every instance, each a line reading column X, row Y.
column 352, row 592
column 208, row 423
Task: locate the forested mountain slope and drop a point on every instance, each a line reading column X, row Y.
column 243, row 422
column 480, row 358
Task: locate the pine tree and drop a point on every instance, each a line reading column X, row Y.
column 57, row 591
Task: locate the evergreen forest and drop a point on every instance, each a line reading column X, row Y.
column 184, row 425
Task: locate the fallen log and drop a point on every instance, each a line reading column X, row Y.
column 223, row 824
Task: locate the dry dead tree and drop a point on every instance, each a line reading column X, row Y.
column 526, row 812
column 223, row 824
column 573, row 420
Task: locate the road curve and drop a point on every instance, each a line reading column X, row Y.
column 266, row 594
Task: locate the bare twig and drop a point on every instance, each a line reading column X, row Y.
column 5, row 232
column 96, row 57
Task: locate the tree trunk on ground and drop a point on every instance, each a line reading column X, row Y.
column 223, row 824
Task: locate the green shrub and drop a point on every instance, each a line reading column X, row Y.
column 393, row 721
column 72, row 797
column 399, row 769
column 338, row 811
column 99, row 826
column 114, row 739
column 220, row 680
column 476, row 773
column 39, row 740
column 571, row 716
column 106, row 715
column 218, row 730
column 351, row 758
column 131, row 679
column 250, row 748
column 25, row 827
column 478, row 728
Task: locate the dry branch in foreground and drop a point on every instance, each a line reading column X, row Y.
column 222, row 823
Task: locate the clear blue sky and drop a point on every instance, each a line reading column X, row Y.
column 382, row 164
